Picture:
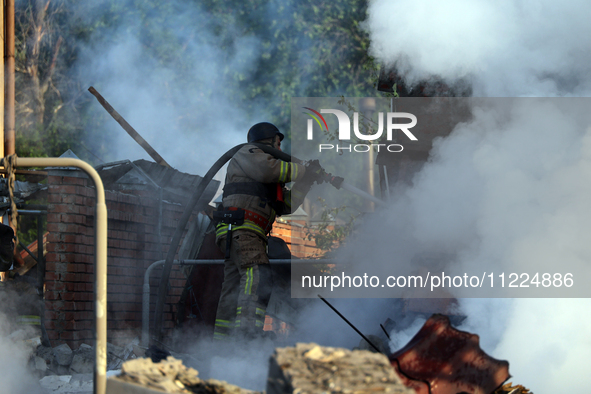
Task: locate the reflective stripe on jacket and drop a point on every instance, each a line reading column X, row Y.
column 251, row 164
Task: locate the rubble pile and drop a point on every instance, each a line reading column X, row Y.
column 62, row 360
column 310, row 368
column 510, row 389
column 170, row 376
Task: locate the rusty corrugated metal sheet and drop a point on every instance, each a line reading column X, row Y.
column 442, row 360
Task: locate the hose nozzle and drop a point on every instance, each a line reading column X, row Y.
column 334, row 180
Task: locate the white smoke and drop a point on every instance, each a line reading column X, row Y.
column 506, row 48
column 15, row 353
column 189, row 124
column 506, row 194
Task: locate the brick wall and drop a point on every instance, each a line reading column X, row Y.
column 294, row 235
column 133, row 244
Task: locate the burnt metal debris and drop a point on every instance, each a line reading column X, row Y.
column 130, row 130
column 176, row 186
column 440, row 359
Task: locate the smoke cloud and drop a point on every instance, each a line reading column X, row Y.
column 506, row 48
column 16, row 377
column 181, row 106
column 504, row 193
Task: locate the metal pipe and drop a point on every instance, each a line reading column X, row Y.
column 28, row 212
column 350, row 324
column 130, row 130
column 9, row 120
column 145, row 340
column 182, row 223
column 40, row 257
column 22, row 245
column 160, row 209
column 100, row 368
column 2, row 80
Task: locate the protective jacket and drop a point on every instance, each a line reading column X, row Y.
column 255, row 183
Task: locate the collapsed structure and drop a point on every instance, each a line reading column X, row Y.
column 144, row 202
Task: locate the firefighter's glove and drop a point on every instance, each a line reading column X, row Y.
column 314, row 172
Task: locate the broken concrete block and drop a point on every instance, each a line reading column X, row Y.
column 63, row 370
column 40, row 364
column 310, row 368
column 169, row 375
column 63, row 354
column 81, row 382
column 114, row 350
column 33, row 343
column 83, row 360
column 45, row 353
column 122, row 356
column 54, row 383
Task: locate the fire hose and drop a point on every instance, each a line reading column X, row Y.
column 336, row 181
column 191, row 206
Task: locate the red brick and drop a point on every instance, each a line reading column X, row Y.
column 51, row 315
column 70, row 277
column 54, row 305
column 55, row 237
column 53, row 334
column 68, row 199
column 54, row 325
column 74, row 181
column 49, row 276
column 68, row 296
column 52, row 295
column 78, row 296
column 53, row 198
column 69, row 258
column 85, row 191
column 82, row 335
column 55, row 227
column 55, row 285
column 66, row 189
column 66, row 335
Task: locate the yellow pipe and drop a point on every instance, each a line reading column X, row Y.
column 100, row 369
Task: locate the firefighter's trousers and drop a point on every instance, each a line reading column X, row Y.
column 246, row 289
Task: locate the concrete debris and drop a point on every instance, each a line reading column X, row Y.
column 46, row 353
column 310, row 368
column 83, row 360
column 40, row 364
column 61, row 360
column 81, row 383
column 54, row 383
column 63, row 354
column 170, row 376
column 510, row 389
column 33, row 343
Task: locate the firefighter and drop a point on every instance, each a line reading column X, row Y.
column 254, row 194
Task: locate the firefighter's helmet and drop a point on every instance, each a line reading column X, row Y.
column 262, row 131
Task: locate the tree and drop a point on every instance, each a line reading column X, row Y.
column 50, row 108
column 306, row 49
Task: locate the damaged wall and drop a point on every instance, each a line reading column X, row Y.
column 133, row 245
column 294, row 235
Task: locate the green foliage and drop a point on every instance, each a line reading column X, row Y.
column 27, row 229
column 327, row 234
column 305, row 49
